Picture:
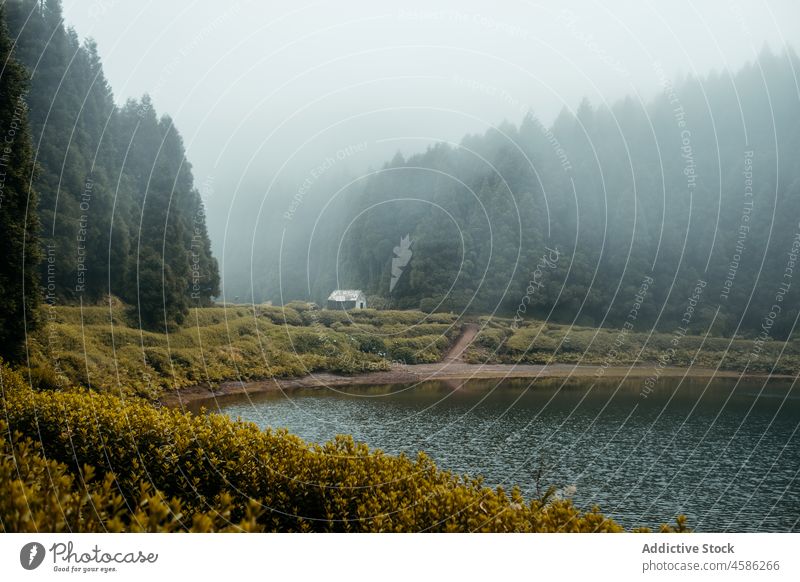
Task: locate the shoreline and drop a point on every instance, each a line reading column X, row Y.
column 447, row 370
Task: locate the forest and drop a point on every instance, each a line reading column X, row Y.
column 118, row 212
column 698, row 187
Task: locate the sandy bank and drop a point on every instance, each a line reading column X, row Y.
column 447, row 370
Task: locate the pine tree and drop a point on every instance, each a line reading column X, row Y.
column 19, row 227
column 118, row 203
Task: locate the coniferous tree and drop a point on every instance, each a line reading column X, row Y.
column 119, row 210
column 624, row 192
column 19, row 227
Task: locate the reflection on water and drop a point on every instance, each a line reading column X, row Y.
column 726, row 455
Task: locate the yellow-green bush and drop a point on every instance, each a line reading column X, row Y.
column 177, row 471
column 41, row 495
column 418, row 350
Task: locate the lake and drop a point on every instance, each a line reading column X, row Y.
column 725, row 454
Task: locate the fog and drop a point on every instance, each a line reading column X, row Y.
column 264, row 93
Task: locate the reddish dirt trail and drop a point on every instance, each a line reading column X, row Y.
column 468, row 334
column 452, row 367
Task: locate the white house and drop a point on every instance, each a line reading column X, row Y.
column 347, row 299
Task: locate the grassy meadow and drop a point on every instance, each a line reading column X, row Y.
column 102, row 347
column 537, row 342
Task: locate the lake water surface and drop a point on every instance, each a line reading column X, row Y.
column 725, row 454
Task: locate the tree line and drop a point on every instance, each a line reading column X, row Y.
column 98, row 199
column 699, row 188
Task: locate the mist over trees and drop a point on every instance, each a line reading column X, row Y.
column 697, row 189
column 119, row 212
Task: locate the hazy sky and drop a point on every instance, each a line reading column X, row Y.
column 256, row 85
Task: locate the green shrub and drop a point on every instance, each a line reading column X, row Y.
column 325, row 317
column 308, row 341
column 301, row 306
column 370, row 344
column 491, row 338
column 280, row 315
column 46, row 378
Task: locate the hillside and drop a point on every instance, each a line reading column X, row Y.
column 697, row 186
column 103, row 348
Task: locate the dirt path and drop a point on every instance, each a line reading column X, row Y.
column 452, row 370
column 468, row 334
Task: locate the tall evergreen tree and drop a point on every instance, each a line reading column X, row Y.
column 19, row 228
column 119, row 209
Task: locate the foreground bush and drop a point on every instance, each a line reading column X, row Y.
column 41, row 495
column 82, row 461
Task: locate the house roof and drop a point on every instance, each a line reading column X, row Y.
column 346, row 295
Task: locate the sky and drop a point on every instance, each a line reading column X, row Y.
column 266, row 91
